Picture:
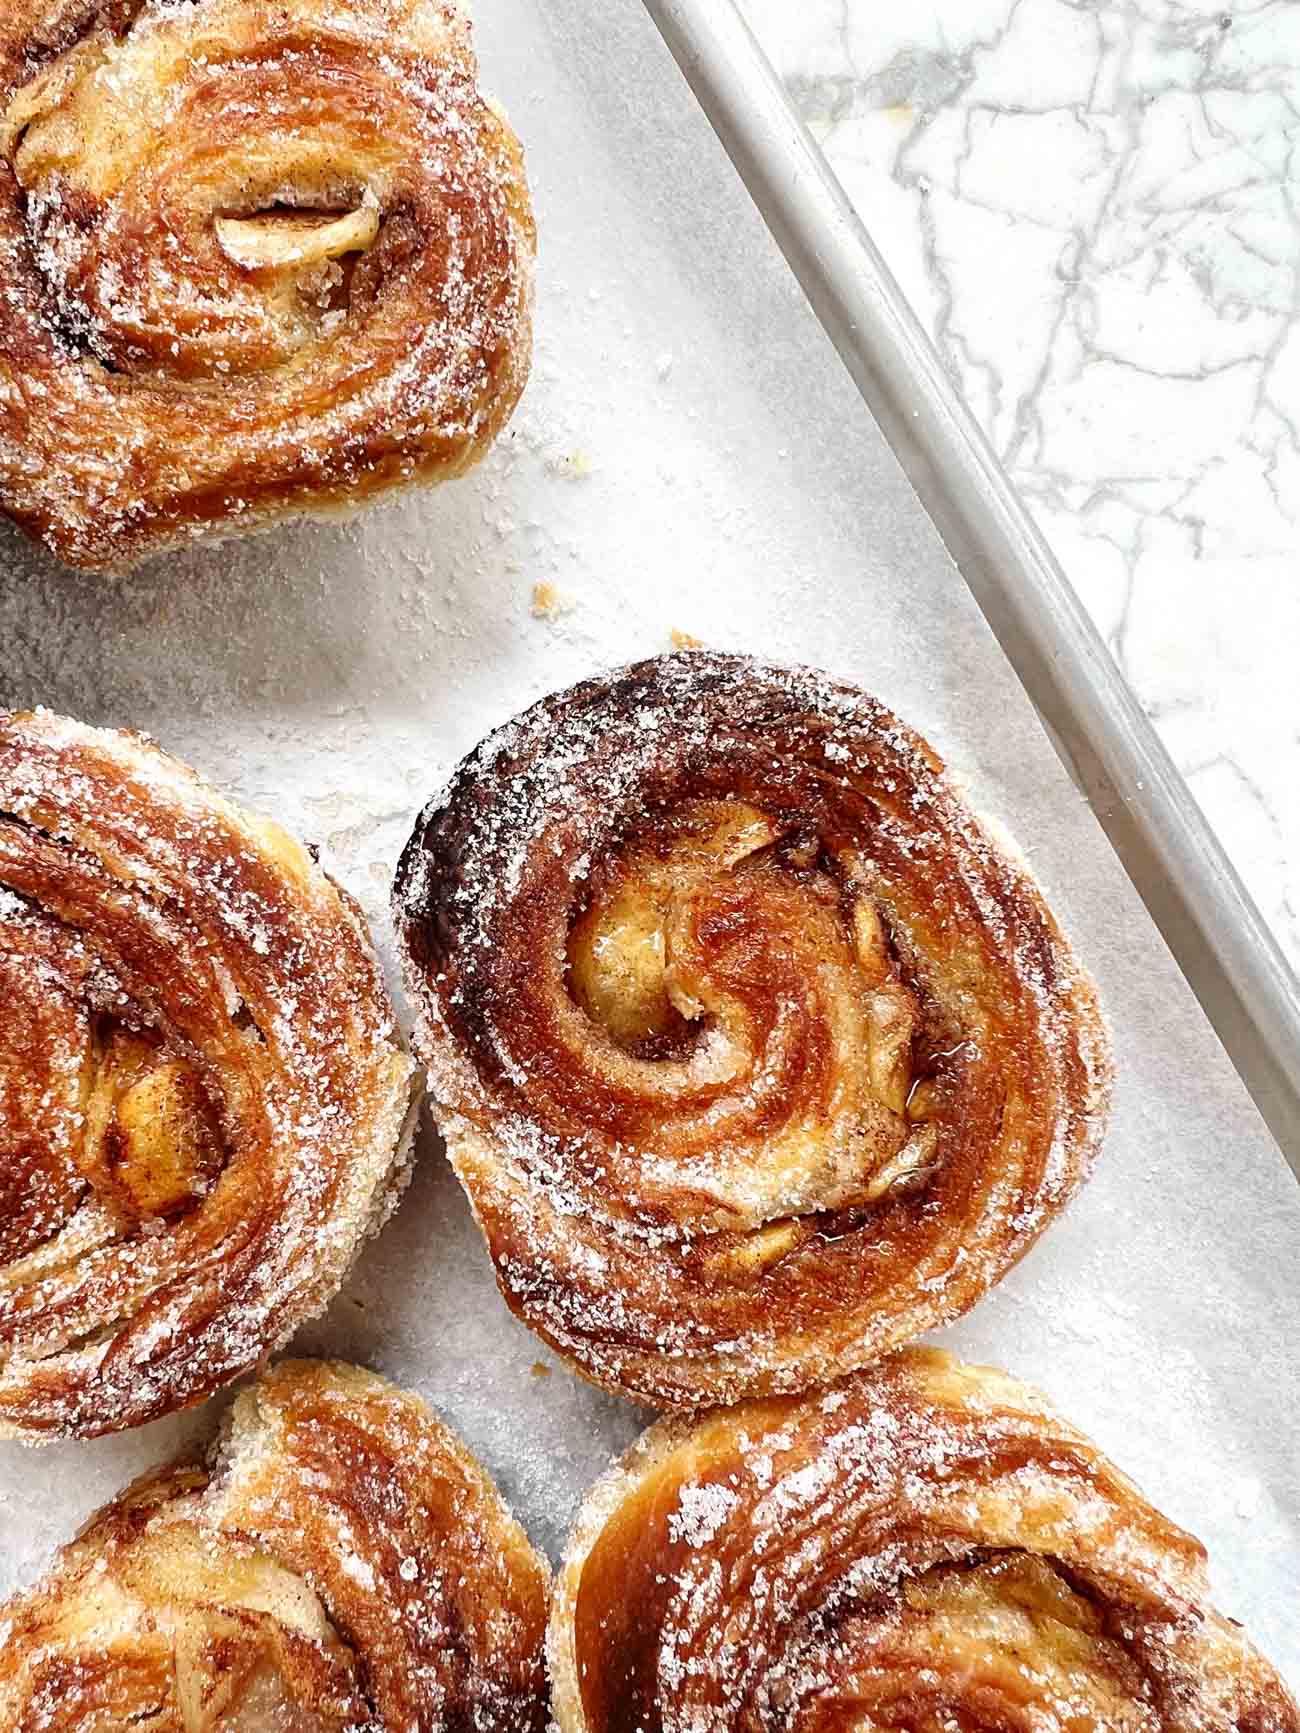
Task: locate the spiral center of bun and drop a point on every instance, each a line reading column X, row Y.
column 97, row 1106
column 278, row 240
column 199, row 202
column 224, row 1635
column 1002, row 1642
column 742, row 977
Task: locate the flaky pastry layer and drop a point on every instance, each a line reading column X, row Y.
column 259, row 258
column 924, row 1547
column 204, row 1103
column 756, row 1054
column 341, row 1563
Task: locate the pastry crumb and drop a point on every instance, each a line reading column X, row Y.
column 540, row 1369
column 685, row 640
column 549, row 602
column 574, row 465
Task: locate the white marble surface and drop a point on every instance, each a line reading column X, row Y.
column 1095, row 209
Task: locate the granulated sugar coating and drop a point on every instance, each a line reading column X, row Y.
column 754, row 1052
column 926, row 1547
column 341, row 1565
column 204, row 1105
column 256, row 260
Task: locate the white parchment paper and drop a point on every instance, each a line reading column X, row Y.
column 689, row 455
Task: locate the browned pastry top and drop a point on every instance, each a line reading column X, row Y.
column 344, row 1565
column 202, row 1096
column 924, row 1548
column 258, row 256
column 755, row 1052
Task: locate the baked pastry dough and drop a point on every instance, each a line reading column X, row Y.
column 925, row 1547
column 259, row 257
column 344, row 1563
column 755, row 1053
column 204, row 1106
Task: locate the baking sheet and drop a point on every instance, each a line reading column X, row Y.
column 689, row 455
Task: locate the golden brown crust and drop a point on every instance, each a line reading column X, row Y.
column 344, row 1564
column 203, row 1102
column 925, row 1546
column 754, row 1052
column 259, row 258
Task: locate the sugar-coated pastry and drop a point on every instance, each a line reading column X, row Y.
column 755, row 1052
column 204, row 1104
column 260, row 257
column 342, row 1565
column 923, row 1548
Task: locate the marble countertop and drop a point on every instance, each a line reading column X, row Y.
column 1095, row 209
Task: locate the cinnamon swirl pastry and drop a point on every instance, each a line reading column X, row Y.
column 926, row 1546
column 755, row 1053
column 259, row 256
column 343, row 1563
column 203, row 1102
